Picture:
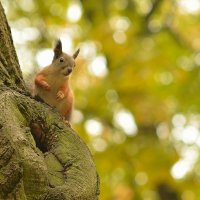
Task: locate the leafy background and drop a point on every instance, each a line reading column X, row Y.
column 136, row 86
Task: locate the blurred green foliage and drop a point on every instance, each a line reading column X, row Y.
column 136, row 87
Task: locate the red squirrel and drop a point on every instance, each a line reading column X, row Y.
column 52, row 82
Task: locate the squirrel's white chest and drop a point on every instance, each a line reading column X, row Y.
column 50, row 97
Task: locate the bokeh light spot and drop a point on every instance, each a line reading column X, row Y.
column 186, row 163
column 99, row 144
column 141, row 178
column 125, row 120
column 74, row 12
column 44, row 57
column 119, row 37
column 189, row 6
column 98, row 66
column 93, row 127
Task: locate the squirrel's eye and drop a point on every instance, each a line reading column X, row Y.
column 61, row 59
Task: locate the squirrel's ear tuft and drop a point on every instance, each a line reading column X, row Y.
column 57, row 49
column 76, row 54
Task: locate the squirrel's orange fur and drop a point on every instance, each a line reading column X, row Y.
column 52, row 83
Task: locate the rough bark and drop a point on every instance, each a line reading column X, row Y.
column 40, row 156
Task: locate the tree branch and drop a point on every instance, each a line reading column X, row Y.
column 156, row 4
column 10, row 72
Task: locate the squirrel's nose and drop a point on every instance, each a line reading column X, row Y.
column 69, row 71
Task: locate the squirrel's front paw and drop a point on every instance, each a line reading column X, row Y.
column 60, row 95
column 46, row 86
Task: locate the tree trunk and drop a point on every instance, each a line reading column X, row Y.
column 40, row 156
